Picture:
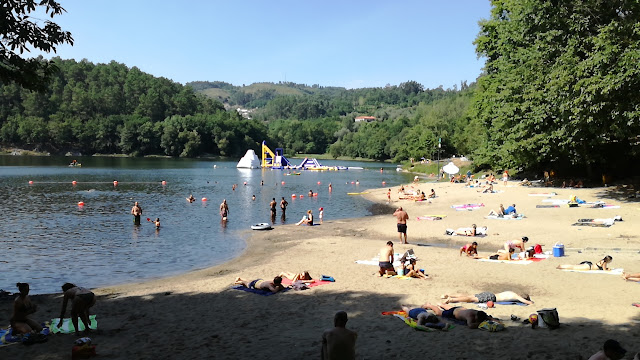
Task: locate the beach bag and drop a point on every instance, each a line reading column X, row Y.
column 491, row 326
column 538, row 249
column 549, row 317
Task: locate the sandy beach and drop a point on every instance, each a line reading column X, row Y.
column 198, row 316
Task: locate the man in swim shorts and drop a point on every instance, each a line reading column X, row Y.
column 258, row 284
column 136, row 211
column 483, row 297
column 402, row 217
column 386, row 260
column 473, row 318
column 421, row 314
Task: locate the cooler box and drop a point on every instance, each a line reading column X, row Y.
column 558, row 250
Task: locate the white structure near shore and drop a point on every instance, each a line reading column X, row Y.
column 249, row 161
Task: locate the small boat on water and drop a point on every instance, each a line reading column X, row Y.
column 75, row 163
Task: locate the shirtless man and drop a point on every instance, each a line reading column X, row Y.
column 483, row 297
column 136, row 211
column 402, row 217
column 224, row 209
column 283, row 206
column 272, row 206
column 472, row 317
column 22, row 307
column 81, row 300
column 386, row 260
column 273, row 286
column 339, row 342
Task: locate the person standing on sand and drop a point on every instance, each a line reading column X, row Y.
column 389, row 196
column 136, row 211
column 224, row 209
column 339, row 342
column 385, row 261
column 402, row 217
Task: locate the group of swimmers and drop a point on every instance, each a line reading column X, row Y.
column 81, row 300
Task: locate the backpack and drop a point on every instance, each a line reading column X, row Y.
column 550, row 317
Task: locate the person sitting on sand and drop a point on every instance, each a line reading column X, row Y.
column 611, row 350
column 412, row 271
column 22, row 308
column 470, row 249
column 473, row 318
column 489, row 189
column 307, row 219
column 501, row 255
column 588, row 265
column 524, row 182
column 421, row 197
column 303, row 276
column 483, row 297
column 499, row 213
column 511, row 210
column 631, row 277
column 432, row 194
column 81, row 300
column 513, row 244
column 191, row 198
column 339, row 342
column 273, row 286
column 386, row 260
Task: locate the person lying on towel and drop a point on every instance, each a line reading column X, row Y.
column 273, row 286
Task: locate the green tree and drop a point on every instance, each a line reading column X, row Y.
column 19, row 33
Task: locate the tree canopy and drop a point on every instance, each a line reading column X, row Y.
column 19, row 33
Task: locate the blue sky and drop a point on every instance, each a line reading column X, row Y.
column 332, row 43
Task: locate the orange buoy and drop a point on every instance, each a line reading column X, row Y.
column 301, row 196
column 81, row 203
column 74, row 182
column 30, row 182
column 204, row 199
column 164, row 182
column 315, row 194
column 319, row 183
column 353, row 182
column 384, row 183
column 282, row 183
column 293, row 196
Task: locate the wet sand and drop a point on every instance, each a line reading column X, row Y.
column 197, row 315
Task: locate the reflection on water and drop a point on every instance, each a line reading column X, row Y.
column 48, row 239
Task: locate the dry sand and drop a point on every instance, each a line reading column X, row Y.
column 198, row 316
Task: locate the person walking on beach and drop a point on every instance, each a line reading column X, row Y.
column 385, row 261
column 283, row 206
column 339, row 342
column 81, row 300
column 389, row 196
column 402, row 218
column 136, row 211
column 224, row 209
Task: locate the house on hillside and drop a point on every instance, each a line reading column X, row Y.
column 365, row 118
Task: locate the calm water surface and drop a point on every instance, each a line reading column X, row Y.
column 47, row 239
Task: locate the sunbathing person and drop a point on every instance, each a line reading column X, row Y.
column 473, row 318
column 470, row 249
column 468, row 231
column 513, row 244
column 631, row 277
column 412, row 271
column 588, row 265
column 501, row 255
column 483, row 297
column 273, row 286
column 22, row 308
column 499, row 213
column 421, row 315
column 303, row 276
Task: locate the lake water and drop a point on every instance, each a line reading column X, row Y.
column 47, row 239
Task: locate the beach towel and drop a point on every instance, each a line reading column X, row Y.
column 431, row 217
column 594, row 222
column 467, row 207
column 6, row 338
column 518, row 303
column 287, row 282
column 258, row 291
column 610, row 272
column 505, row 217
column 602, row 206
column 556, row 201
column 516, row 262
column 547, row 206
column 67, row 325
column 413, row 324
column 543, row 194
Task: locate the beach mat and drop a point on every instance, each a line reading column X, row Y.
column 610, row 272
column 431, row 217
column 413, row 324
column 592, row 224
column 543, row 194
column 505, row 217
column 469, row 207
column 518, row 303
column 287, row 282
column 516, row 262
column 6, row 338
column 480, row 232
column 258, row 291
column 67, row 325
column 547, row 206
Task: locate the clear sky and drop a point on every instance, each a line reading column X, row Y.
column 358, row 43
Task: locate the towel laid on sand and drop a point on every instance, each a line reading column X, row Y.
column 547, row 206
column 287, row 282
column 375, row 261
column 480, row 232
column 610, row 272
column 67, row 325
column 258, row 291
column 413, row 324
column 543, row 194
column 506, row 217
column 516, row 262
column 467, row 207
column 431, row 217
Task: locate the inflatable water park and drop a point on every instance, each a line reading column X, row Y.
column 276, row 160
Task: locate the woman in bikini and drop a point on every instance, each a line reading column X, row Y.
column 22, row 307
column 81, row 300
column 588, row 265
column 411, row 271
column 513, row 244
column 470, row 249
column 303, row 276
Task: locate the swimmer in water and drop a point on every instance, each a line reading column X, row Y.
column 191, row 198
column 157, row 223
column 253, row 198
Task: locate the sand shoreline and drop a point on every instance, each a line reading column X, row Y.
column 197, row 315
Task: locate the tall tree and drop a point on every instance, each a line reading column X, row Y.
column 19, row 33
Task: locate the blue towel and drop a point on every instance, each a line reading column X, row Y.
column 257, row 291
column 510, row 303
